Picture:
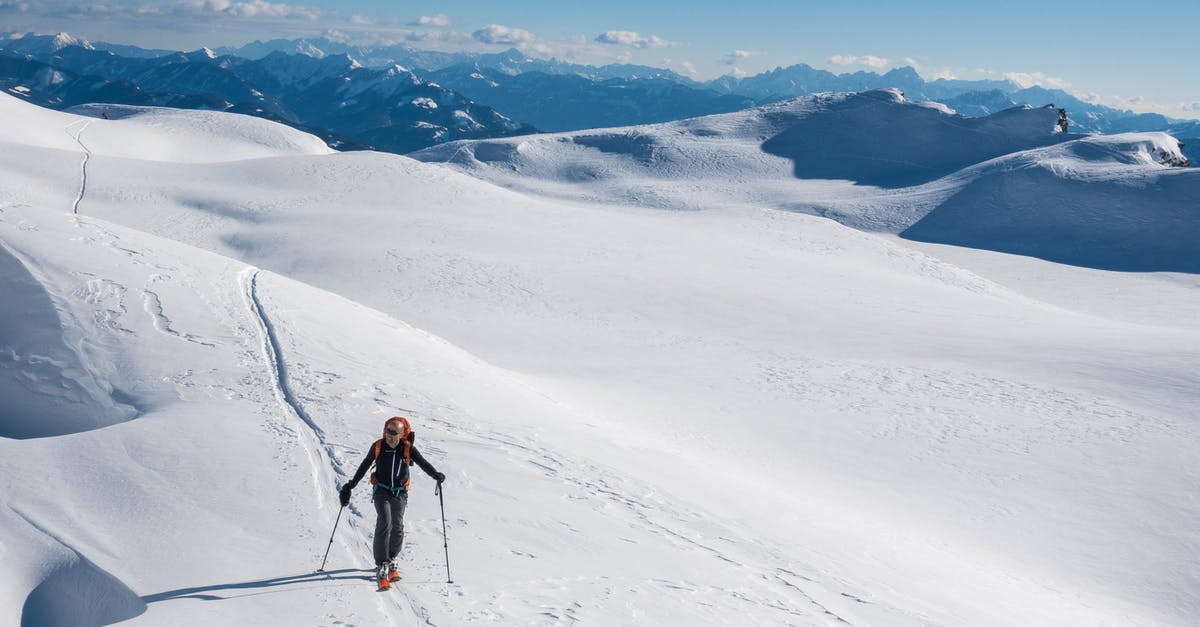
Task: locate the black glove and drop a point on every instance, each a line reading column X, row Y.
column 344, row 495
column 439, row 476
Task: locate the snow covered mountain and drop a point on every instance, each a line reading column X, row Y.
column 800, row 79
column 543, row 92
column 973, row 98
column 877, row 161
column 38, row 45
column 560, row 101
column 510, row 62
column 348, row 105
column 727, row 415
column 1112, row 202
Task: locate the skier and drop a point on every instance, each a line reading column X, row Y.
column 391, row 456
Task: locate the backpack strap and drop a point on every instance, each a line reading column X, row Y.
column 378, row 445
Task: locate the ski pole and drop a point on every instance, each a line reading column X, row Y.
column 335, row 525
column 445, row 541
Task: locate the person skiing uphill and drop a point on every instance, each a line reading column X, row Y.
column 392, row 455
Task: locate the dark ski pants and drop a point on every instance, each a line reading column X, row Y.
column 389, row 526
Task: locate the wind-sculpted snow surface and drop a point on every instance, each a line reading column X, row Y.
column 733, row 415
column 852, row 157
column 872, row 138
column 1109, row 202
column 876, row 138
column 159, row 134
column 47, row 383
column 1008, row 182
column 74, row 592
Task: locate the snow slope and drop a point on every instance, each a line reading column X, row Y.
column 180, row 136
column 1102, row 202
column 1007, row 182
column 812, row 154
column 730, row 416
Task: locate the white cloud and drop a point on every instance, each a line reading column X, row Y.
column 504, row 35
column 1184, row 110
column 867, row 60
column 432, row 20
column 1030, row 79
column 689, row 68
column 631, row 38
column 417, row 36
column 735, row 57
column 141, row 14
column 250, row 9
column 946, row 73
column 334, row 34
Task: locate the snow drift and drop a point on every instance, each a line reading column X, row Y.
column 47, row 381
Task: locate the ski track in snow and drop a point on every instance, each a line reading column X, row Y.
column 322, row 455
column 87, row 155
column 150, row 300
column 153, row 306
column 273, row 356
column 796, row 599
column 667, row 519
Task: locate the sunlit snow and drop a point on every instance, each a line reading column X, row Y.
column 674, row 377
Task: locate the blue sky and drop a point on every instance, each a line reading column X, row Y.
column 1108, row 52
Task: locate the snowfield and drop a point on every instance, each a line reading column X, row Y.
column 667, row 388
column 1009, row 182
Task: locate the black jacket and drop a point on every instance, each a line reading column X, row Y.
column 390, row 469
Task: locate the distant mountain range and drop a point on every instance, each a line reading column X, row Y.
column 399, row 99
column 334, row 96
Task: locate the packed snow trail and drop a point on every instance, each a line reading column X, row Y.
column 87, row 155
column 494, row 451
column 321, row 455
column 273, row 356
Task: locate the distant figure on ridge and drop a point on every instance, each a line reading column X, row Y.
column 391, row 455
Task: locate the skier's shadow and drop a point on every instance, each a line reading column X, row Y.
column 293, row 582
